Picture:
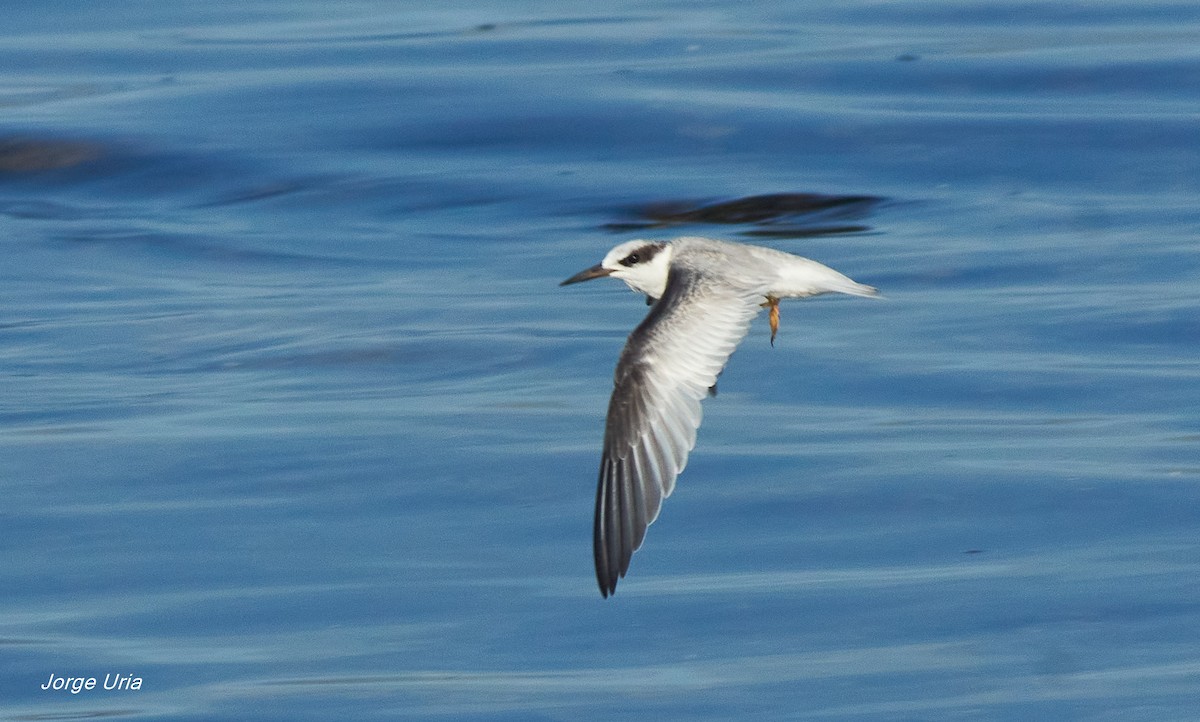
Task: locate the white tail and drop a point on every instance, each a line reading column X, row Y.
column 801, row 277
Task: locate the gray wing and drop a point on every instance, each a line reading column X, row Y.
column 668, row 365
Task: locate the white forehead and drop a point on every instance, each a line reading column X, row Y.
column 621, row 251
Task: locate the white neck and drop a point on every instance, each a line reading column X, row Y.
column 650, row 277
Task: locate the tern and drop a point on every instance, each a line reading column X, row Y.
column 703, row 294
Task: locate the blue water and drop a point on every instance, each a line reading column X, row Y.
column 295, row 422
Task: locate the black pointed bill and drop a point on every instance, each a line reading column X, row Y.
column 587, row 274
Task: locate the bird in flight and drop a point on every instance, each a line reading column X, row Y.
column 703, row 294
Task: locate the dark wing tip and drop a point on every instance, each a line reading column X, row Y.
column 615, row 534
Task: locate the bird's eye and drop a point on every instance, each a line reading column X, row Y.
column 631, row 259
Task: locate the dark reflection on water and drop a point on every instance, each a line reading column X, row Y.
column 790, row 215
column 30, row 155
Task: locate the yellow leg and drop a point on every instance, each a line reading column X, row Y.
column 773, row 304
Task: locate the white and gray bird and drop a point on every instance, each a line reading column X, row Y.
column 704, row 294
